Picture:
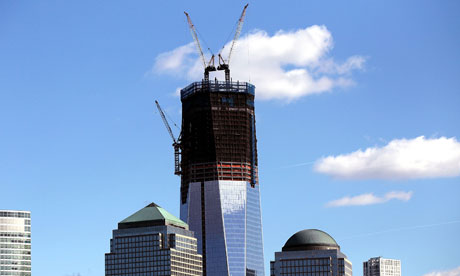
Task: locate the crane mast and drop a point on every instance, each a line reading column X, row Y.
column 176, row 142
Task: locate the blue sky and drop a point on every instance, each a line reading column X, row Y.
column 82, row 146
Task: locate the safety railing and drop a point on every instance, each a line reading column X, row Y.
column 217, row 86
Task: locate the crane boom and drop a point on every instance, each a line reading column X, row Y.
column 165, row 121
column 176, row 142
column 237, row 32
column 224, row 65
column 195, row 38
column 207, row 66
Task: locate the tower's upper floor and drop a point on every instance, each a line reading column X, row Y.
column 217, row 86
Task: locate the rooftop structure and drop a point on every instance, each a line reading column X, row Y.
column 217, row 86
column 310, row 239
column 310, row 252
column 152, row 242
column 151, row 215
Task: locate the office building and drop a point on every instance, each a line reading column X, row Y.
column 220, row 198
column 15, row 243
column 310, row 252
column 379, row 266
column 152, row 242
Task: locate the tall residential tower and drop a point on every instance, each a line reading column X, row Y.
column 15, row 243
column 220, row 197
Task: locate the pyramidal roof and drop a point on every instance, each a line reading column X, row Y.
column 151, row 215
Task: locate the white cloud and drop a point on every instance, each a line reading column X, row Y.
column 287, row 65
column 453, row 272
column 175, row 61
column 369, row 199
column 399, row 159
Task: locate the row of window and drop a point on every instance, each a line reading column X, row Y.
column 14, row 240
column 17, row 246
column 316, row 268
column 15, row 234
column 14, row 268
column 19, row 252
column 186, row 261
column 14, row 262
column 8, row 227
column 12, row 214
column 185, row 255
column 140, row 238
column 304, row 262
column 158, row 265
column 137, row 260
column 15, row 273
column 178, row 266
column 126, row 248
column 123, row 273
column 14, row 221
column 14, row 257
column 308, row 274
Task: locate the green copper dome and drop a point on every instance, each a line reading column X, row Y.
column 310, row 239
column 151, row 215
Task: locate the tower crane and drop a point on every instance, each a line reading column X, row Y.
column 224, row 65
column 176, row 142
column 208, row 67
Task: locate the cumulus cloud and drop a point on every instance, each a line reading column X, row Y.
column 370, row 199
column 175, row 61
column 453, row 272
column 287, row 65
column 399, row 159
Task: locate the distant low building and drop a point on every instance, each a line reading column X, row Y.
column 310, row 252
column 379, row 266
column 15, row 243
column 153, row 242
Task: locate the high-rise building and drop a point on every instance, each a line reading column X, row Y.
column 379, row 266
column 310, row 252
column 15, row 243
column 153, row 242
column 220, row 198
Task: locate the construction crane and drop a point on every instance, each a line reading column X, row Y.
column 208, row 67
column 224, row 65
column 176, row 142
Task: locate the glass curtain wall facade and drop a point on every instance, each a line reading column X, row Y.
column 312, row 265
column 220, row 196
column 154, row 251
column 15, row 243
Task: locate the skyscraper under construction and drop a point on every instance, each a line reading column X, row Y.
column 220, row 197
column 216, row 156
